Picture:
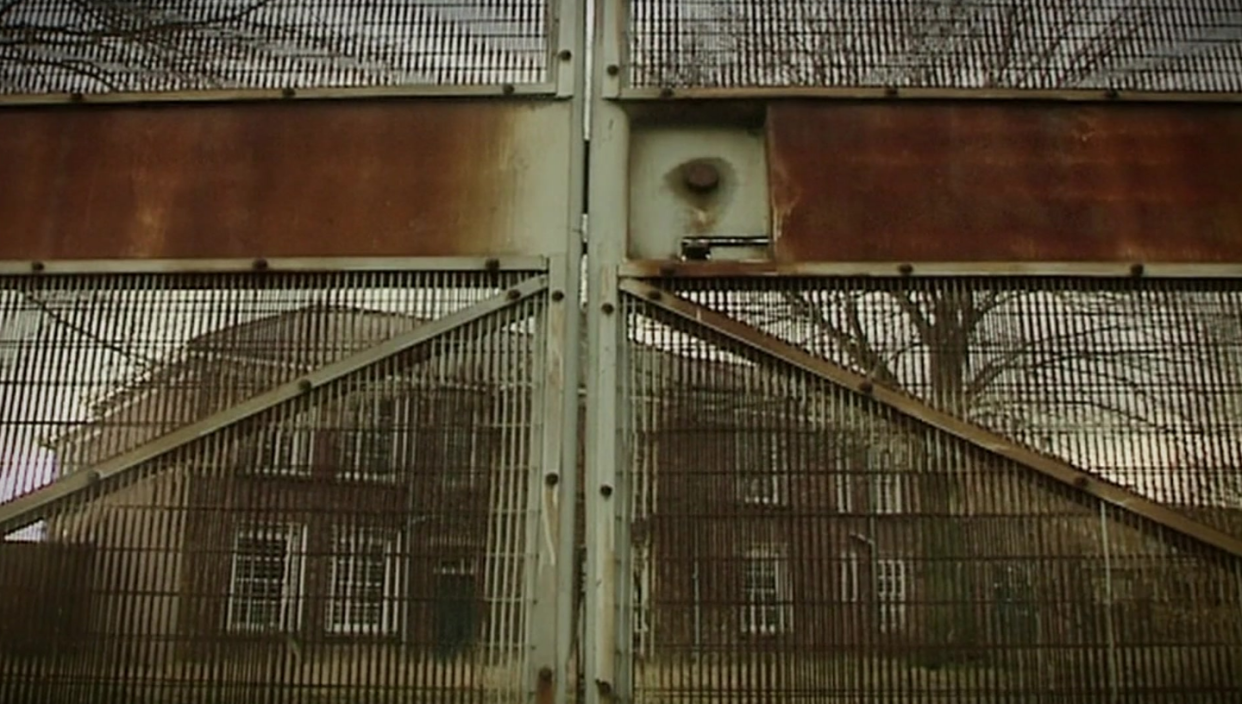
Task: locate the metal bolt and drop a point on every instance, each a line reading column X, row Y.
column 605, row 491
column 891, row 92
column 666, row 92
column 654, row 295
column 1112, row 94
column 492, row 265
column 77, row 97
column 906, row 269
column 260, row 264
column 288, row 93
column 701, row 176
column 614, row 70
column 37, row 266
column 1081, row 482
column 558, row 296
column 513, row 294
column 608, row 308
column 866, row 387
column 1136, row 270
column 552, row 479
column 305, row 385
column 667, row 272
column 508, row 89
column 566, row 55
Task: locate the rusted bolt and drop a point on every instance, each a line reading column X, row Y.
column 608, row 308
column 905, row 269
column 1112, row 94
column 288, row 93
column 604, row 687
column 305, row 385
column 666, row 92
column 558, row 296
column 508, row 89
column 701, row 176
column 492, row 265
column 891, row 92
column 566, row 55
column 36, row 267
column 1081, row 482
column 513, row 294
column 654, row 295
column 1136, row 270
column 259, row 264
column 93, row 477
column 866, row 387
column 614, row 70
column 667, row 272
column 77, row 97
column 552, row 479
column 605, row 490
column 545, row 674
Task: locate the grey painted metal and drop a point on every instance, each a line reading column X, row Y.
column 768, row 269
column 28, row 508
column 930, row 416
column 498, row 90
column 890, row 93
column 606, row 675
column 275, row 264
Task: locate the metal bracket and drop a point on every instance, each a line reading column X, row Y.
column 33, row 506
column 1063, row 472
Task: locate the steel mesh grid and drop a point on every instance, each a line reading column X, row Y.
column 1144, row 45
column 1138, row 382
column 883, row 559
column 49, row 46
column 365, row 539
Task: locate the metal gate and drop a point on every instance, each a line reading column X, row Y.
column 911, row 372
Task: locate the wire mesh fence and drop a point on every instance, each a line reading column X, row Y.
column 793, row 540
column 362, row 541
column 49, row 46
column 1147, row 45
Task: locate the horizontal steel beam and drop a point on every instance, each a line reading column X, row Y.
column 548, row 89
column 918, row 410
column 33, row 506
column 10, row 267
column 893, row 93
column 712, row 269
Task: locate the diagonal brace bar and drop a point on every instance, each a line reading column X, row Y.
column 34, row 506
column 927, row 414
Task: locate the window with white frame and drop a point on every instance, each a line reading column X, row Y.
column 265, row 587
column 850, row 591
column 767, row 591
column 761, row 466
column 891, row 592
column 375, row 431
column 888, row 490
column 286, row 446
column 363, row 578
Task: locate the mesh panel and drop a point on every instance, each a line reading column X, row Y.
column 1157, row 45
column 1141, row 383
column 365, row 539
column 49, row 46
column 881, row 560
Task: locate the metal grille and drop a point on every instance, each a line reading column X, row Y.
column 345, row 542
column 1150, row 45
column 1139, row 382
column 49, row 46
column 893, row 562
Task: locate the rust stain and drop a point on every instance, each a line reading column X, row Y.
column 1005, row 182
column 313, row 179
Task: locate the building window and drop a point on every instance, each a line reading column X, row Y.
column 375, row 431
column 766, row 591
column 890, row 593
column 844, row 484
column 849, row 577
column 888, row 490
column 362, row 580
column 467, row 444
column 761, row 466
column 285, row 447
column 266, row 584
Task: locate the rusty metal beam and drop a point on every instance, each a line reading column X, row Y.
column 893, row 93
column 1063, row 472
column 33, row 506
column 691, row 269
